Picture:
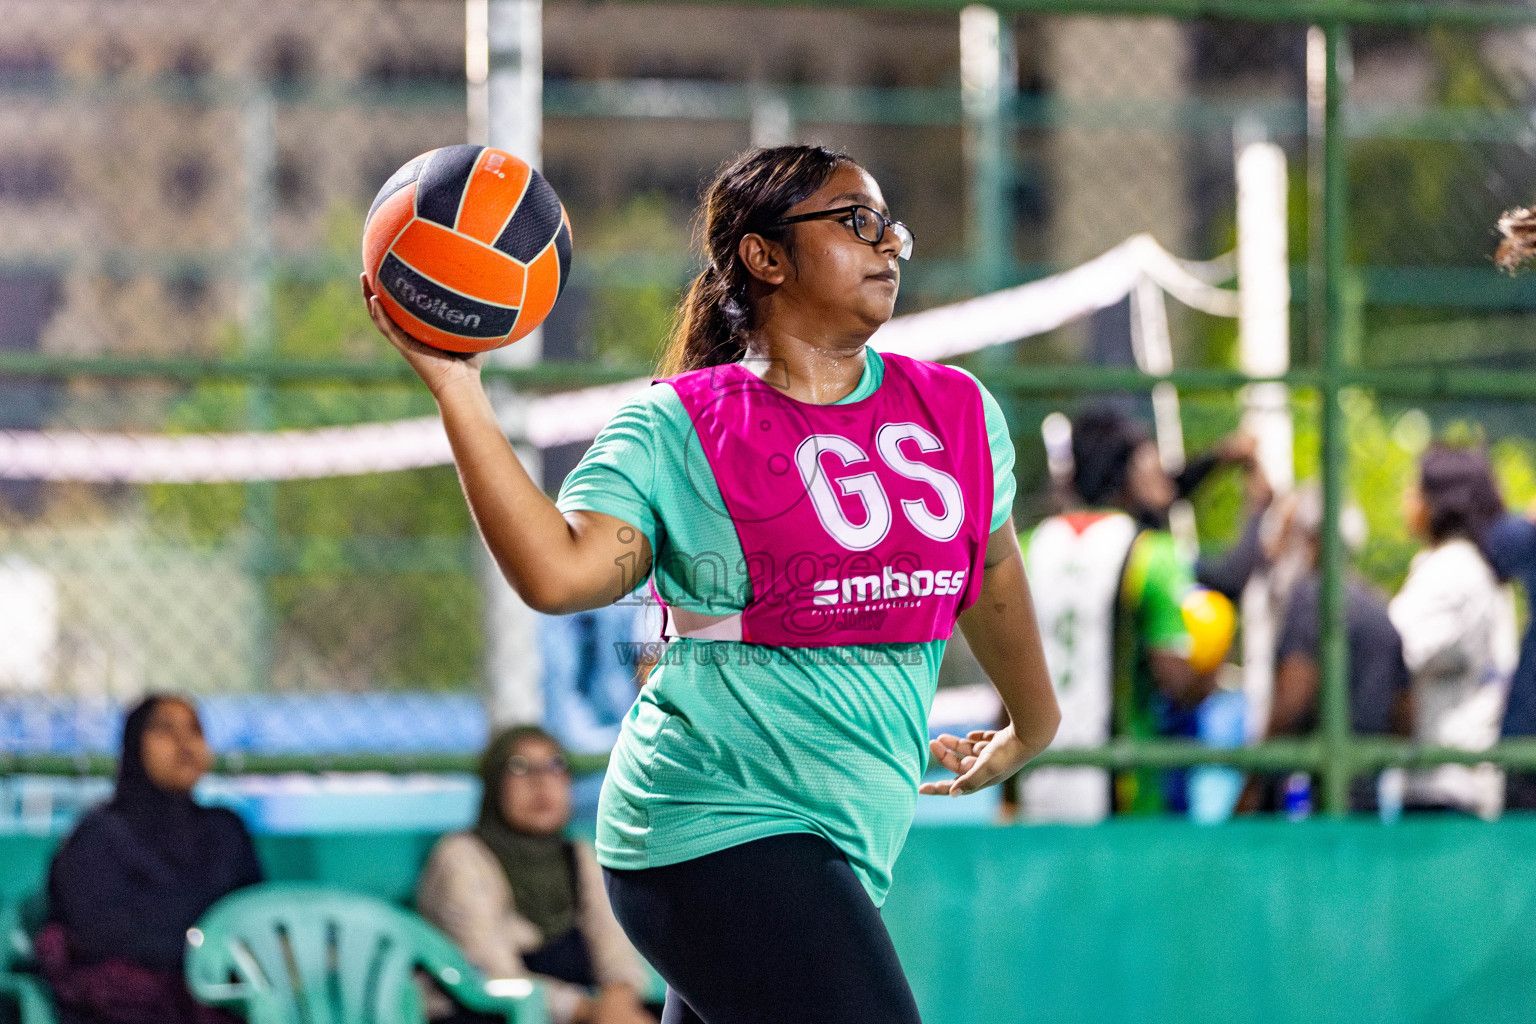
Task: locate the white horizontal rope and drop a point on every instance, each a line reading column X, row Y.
column 92, row 457
column 940, row 333
column 1014, row 313
column 1176, row 278
column 576, row 415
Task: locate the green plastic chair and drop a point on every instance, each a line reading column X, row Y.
column 301, row 953
column 30, row 997
column 18, row 986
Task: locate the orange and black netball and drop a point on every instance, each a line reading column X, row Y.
column 468, row 247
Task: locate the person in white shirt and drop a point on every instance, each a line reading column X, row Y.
column 1457, row 622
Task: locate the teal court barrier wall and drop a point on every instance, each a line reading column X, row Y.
column 1429, row 921
column 1152, row 921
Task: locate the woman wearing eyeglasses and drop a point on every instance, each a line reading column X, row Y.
column 521, row 900
column 816, row 517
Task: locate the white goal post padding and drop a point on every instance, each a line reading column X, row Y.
column 939, row 333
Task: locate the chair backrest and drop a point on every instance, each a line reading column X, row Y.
column 14, row 941
column 300, row 953
column 20, row 920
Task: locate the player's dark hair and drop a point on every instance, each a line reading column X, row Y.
column 1103, row 440
column 747, row 196
column 1459, row 493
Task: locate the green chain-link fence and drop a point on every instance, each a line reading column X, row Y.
column 181, row 194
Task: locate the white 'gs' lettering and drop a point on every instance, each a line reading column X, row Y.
column 866, row 487
column 946, row 524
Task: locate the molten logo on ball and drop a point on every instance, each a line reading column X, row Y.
column 467, row 247
column 429, row 306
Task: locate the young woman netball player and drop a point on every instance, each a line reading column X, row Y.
column 816, row 517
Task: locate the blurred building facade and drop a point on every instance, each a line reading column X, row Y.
column 152, row 153
column 143, row 164
column 155, row 152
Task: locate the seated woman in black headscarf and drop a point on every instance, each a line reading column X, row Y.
column 521, row 900
column 136, row 873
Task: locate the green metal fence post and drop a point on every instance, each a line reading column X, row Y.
column 1337, row 760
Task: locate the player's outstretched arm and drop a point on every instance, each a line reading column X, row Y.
column 556, row 563
column 1005, row 637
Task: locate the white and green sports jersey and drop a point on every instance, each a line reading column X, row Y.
column 1074, row 565
column 730, row 742
column 1106, row 595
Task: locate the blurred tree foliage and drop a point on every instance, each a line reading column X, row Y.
column 1411, row 202
column 370, row 579
column 1426, row 201
column 630, row 323
column 1384, row 449
column 1219, row 502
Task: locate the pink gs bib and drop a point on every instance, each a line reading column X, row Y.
column 863, row 523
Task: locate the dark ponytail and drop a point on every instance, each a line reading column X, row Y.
column 747, row 196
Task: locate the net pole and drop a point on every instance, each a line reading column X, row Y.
column 477, row 71
column 1264, row 334
column 514, row 121
column 987, row 76
column 1335, row 653
column 259, row 152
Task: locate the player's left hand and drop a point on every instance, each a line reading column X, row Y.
column 982, row 758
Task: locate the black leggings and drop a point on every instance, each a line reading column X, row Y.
column 776, row 931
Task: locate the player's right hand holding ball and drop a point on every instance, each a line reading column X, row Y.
column 438, row 369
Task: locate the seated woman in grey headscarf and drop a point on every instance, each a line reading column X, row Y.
column 521, row 900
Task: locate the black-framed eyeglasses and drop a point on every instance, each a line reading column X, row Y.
column 867, row 222
column 520, row 767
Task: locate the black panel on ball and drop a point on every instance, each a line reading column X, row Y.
column 441, row 188
column 563, row 248
column 537, row 218
column 397, row 181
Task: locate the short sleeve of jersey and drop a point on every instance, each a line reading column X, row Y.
column 616, row 476
column 1000, row 440
column 1158, row 581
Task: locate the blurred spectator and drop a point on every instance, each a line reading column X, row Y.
column 588, row 684
column 1109, row 584
column 1511, row 546
column 1458, row 628
column 136, row 874
column 1378, row 678
column 1226, row 573
column 521, row 900
column 1229, row 572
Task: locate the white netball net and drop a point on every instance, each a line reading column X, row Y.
column 1138, row 267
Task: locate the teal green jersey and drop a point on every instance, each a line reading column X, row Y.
column 728, row 741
